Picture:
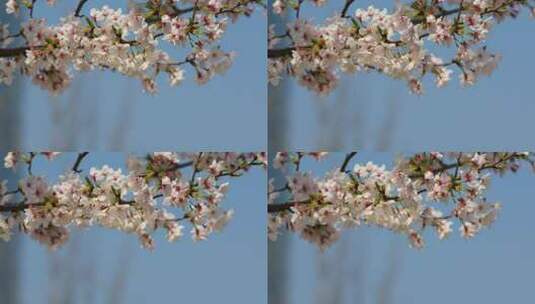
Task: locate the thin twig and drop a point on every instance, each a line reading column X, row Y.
column 79, row 8
column 16, row 51
column 287, row 51
column 347, row 159
column 32, row 5
column 78, row 162
column 274, row 208
column 30, row 163
column 346, row 8
column 195, row 170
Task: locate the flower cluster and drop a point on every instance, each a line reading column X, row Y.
column 426, row 190
column 398, row 43
column 128, row 43
column 160, row 191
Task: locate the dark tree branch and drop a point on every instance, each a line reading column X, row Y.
column 283, row 52
column 13, row 52
column 184, row 165
column 32, row 6
column 78, row 162
column 346, row 8
column 195, row 169
column 274, row 208
column 347, row 159
column 30, row 163
column 79, row 7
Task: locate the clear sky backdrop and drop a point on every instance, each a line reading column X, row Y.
column 495, row 267
column 229, row 113
column 495, row 114
column 106, row 111
column 230, row 265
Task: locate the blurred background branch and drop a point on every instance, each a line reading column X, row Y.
column 9, row 139
column 278, row 252
column 74, row 276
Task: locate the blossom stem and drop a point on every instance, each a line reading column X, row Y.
column 79, row 7
column 13, row 52
column 347, row 159
column 347, row 4
column 78, row 162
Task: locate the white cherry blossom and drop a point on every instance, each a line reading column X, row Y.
column 136, row 43
column 161, row 191
column 402, row 43
column 425, row 190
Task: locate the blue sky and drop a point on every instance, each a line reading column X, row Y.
column 230, row 264
column 106, row 111
column 494, row 267
column 495, row 114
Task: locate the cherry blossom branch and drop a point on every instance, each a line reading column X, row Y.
column 287, row 51
column 395, row 44
column 127, row 43
column 273, row 208
column 151, row 196
column 282, row 52
column 400, row 199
